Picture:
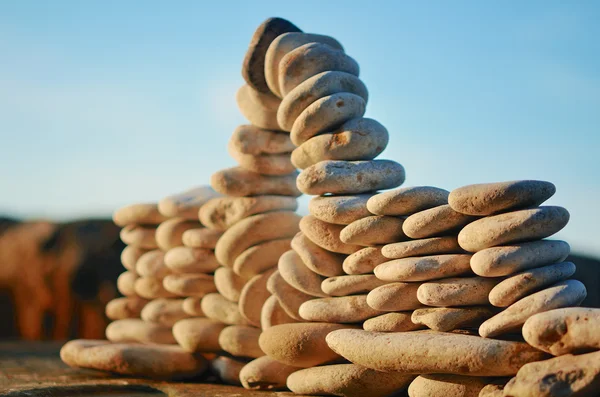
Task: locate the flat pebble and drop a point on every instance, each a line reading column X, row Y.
column 241, row 341
column 217, row 307
column 341, row 210
column 261, row 257
column 125, row 307
column 152, row 288
column 254, row 109
column 374, row 230
column 191, row 260
column 249, row 139
column 193, row 306
column 139, row 236
column 326, row 235
column 126, row 283
column 227, row 369
column 298, row 275
column 342, row 309
column 364, row 261
column 424, row 268
column 394, row 297
column 169, row 233
column 317, row 259
column 265, row 164
column 130, row 256
column 198, row 334
column 265, row 373
column 446, row 319
column 434, row 222
column 391, row 322
column 272, row 314
column 421, row 247
column 164, row 311
column 461, row 291
column 152, row 264
column 289, row 297
column 350, row 284
column 407, row 200
column 190, row 284
column 229, row 284
column 201, row 238
column 138, row 214
column 239, row 182
column 446, row 385
column 253, row 296
column 187, row 204
column 137, row 330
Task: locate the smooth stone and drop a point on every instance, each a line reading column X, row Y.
column 350, row 284
column 253, row 296
column 522, row 284
column 169, row 233
column 513, row 227
column 253, row 66
column 201, row 238
column 164, row 311
column 350, row 177
column 326, row 235
column 568, row 375
column 152, row 264
column 343, row 309
column 125, row 307
column 229, row 284
column 563, row 294
column 326, row 114
column 126, row 283
column 249, row 139
column 407, row 200
column 298, row 275
column 317, row 259
column 510, row 259
column 492, row 391
column 391, row 322
column 310, row 59
column 289, row 297
column 154, row 362
column 363, row 261
column 260, row 258
column 152, row 288
column 272, row 314
column 346, row 380
column 300, row 344
column 374, row 230
column 254, row 230
column 139, row 236
column 564, row 331
column 424, row 268
column 265, row 373
column 198, row 334
column 446, row 319
column 463, row 291
column 241, row 341
column 253, row 109
column 490, row 198
column 187, row 204
column 130, row 256
column 191, row 260
column 447, row 385
column 394, row 297
column 187, row 285
column 410, row 352
column 318, row 86
column 341, row 210
column 421, row 247
column 435, row 222
column 138, row 214
column 137, row 330
column 193, row 306
column 285, row 44
column 227, row 369
column 217, row 307
column 266, row 164
column 239, row 182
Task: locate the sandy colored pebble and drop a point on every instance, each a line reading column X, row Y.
column 489, row 198
column 186, row 204
column 317, row 259
column 298, row 275
column 266, row 164
column 126, row 283
column 201, row 238
column 363, row 261
column 394, row 297
column 265, row 373
column 126, row 307
column 356, row 139
column 447, row 319
column 407, row 200
column 341, row 210
column 563, row 331
column 152, row 288
column 409, row 352
column 137, row 330
column 272, row 314
column 326, row 235
column 193, row 306
column 138, row 214
column 254, row 230
column 424, row 268
column 462, row 291
column 563, row 294
column 254, row 110
column 139, row 236
column 241, row 341
column 239, row 182
column 191, row 260
column 342, row 309
column 164, row 311
column 513, row 227
column 446, row 385
column 260, row 258
column 435, row 222
column 347, row 380
column 198, row 334
column 227, row 369
column 566, row 375
column 300, row 344
column 289, row 297
column 154, row 362
column 492, row 391
column 217, row 307
column 152, row 264
column 169, row 233
column 190, row 284
column 253, row 296
column 505, row 260
column 351, row 284
column 249, row 139
column 350, row 177
column 229, row 284
column 374, row 230
column 522, row 284
column 422, row 247
column 391, row 322
column 130, row 256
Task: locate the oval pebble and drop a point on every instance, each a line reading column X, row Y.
column 217, row 307
column 193, row 306
column 196, row 285
column 364, row 261
column 152, row 264
column 139, row 236
column 421, row 247
column 227, row 369
column 191, row 260
column 435, row 222
column 374, row 230
column 253, row 296
column 391, row 322
column 169, row 233
column 152, row 288
column 343, row 309
column 137, row 330
column 463, row 291
column 249, row 139
column 326, row 235
column 260, row 258
column 240, row 182
column 350, row 284
column 138, row 214
column 298, row 275
column 126, row 283
column 241, row 340
column 407, row 200
column 394, row 297
column 424, row 268
column 446, row 319
column 164, row 311
column 272, row 314
column 289, row 297
column 254, row 110
column 265, row 373
column 229, row 284
column 198, row 334
column 265, row 164
column 130, row 256
column 447, row 385
column 317, row 259
column 187, row 204
column 341, row 210
column 125, row 307
column 201, row 238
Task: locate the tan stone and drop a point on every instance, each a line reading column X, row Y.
column 196, row 285
column 407, row 200
column 374, row 230
column 424, row 268
column 126, row 283
column 186, row 204
column 152, row 264
column 126, row 307
column 341, row 210
column 461, row 291
column 391, row 322
column 435, row 222
column 265, row 373
column 191, row 260
column 364, row 261
column 227, row 369
column 253, row 296
column 446, row 319
column 351, row 284
column 169, row 233
column 130, row 255
column 317, row 259
column 289, row 297
column 152, row 288
column 239, row 182
column 241, row 340
column 266, row 164
column 394, row 297
column 253, row 109
column 137, row 330
column 492, row 391
column 342, row 309
column 193, row 306
column 217, row 307
column 139, row 236
column 421, row 247
column 201, row 238
column 298, row 275
column 326, row 235
column 446, row 385
column 164, row 311
column 261, row 257
column 229, row 284
column 272, row 314
column 249, row 139
column 138, row 214
column 198, row 334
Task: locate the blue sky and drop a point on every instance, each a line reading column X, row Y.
column 104, row 103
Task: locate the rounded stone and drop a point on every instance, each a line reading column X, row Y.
column 522, row 284
column 351, row 284
column 435, row 222
column 265, row 164
column 343, row 309
column 126, row 283
column 249, row 139
column 193, row 306
column 407, row 200
column 191, row 260
column 130, row 256
column 326, row 235
column 254, row 109
column 265, row 373
column 164, row 311
column 421, row 247
column 198, row 334
column 152, row 264
column 289, row 297
column 125, row 307
column 229, row 284
column 563, row 294
column 241, row 341
column 447, row 385
column 341, row 210
column 272, row 314
column 196, row 285
column 513, row 227
column 187, row 204
column 239, row 182
column 138, row 214
column 139, row 236
column 446, row 319
column 391, row 322
column 253, row 296
column 317, row 259
column 509, row 259
column 169, row 233
column 363, row 261
column 424, row 268
column 463, row 291
column 227, row 369
column 152, row 288
column 201, row 238
column 394, row 297
column 298, row 275
column 260, row 258
column 374, row 230
column 490, row 198
column 137, row 330
column 217, row 307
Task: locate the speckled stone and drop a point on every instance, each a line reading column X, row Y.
column 239, row 182
column 164, row 311
column 407, row 200
column 317, row 259
column 364, row 260
column 272, row 314
column 189, row 284
column 229, row 284
column 198, row 334
column 252, row 106
column 187, row 204
column 241, row 341
column 446, row 385
column 201, row 238
column 249, row 139
column 351, row 284
column 261, row 257
column 138, row 214
column 152, row 264
column 421, row 247
column 265, row 373
column 137, row 330
column 191, row 260
column 169, row 233
column 253, row 297
column 394, row 297
column 374, row 230
column 446, row 319
column 289, row 297
column 343, row 309
column 461, row 291
column 341, row 210
column 326, row 235
column 298, row 275
column 217, row 307
column 125, row 307
column 424, row 268
column 435, row 222
column 139, row 236
column 391, row 322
